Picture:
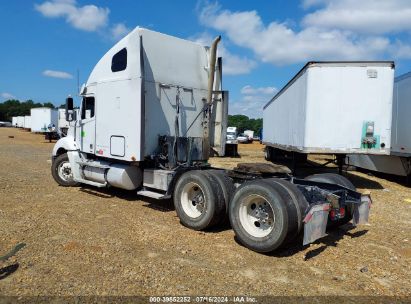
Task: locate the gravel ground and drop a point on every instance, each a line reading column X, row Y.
column 86, row 241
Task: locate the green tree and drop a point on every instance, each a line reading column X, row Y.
column 48, row 105
column 243, row 122
column 14, row 107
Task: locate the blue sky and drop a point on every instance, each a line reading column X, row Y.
column 265, row 43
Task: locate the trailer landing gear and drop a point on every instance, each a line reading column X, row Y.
column 340, row 162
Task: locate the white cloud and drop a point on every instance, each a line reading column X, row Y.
column 119, row 30
column 87, row 18
column 57, row 74
column 232, row 64
column 236, row 65
column 310, row 3
column 401, row 50
column 279, row 44
column 252, row 101
column 6, row 95
column 249, row 90
column 365, row 16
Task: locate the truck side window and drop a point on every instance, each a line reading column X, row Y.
column 119, row 61
column 87, row 107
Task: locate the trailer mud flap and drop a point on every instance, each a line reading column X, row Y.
column 315, row 222
column 362, row 211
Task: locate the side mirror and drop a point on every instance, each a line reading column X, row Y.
column 69, row 109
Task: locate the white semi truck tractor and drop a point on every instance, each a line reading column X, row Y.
column 152, row 113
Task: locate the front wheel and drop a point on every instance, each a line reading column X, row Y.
column 61, row 171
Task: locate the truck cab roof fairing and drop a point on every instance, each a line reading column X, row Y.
column 102, row 71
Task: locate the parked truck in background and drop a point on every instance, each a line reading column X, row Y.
column 250, row 134
column 232, row 135
column 156, row 112
column 231, row 148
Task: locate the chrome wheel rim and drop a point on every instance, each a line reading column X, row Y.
column 256, row 216
column 193, row 200
column 64, row 171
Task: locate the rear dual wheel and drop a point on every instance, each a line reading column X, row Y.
column 200, row 198
column 265, row 214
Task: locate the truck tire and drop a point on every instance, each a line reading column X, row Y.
column 333, row 178
column 259, row 216
column 292, row 209
column 226, row 184
column 300, row 203
column 198, row 200
column 61, row 171
column 268, row 153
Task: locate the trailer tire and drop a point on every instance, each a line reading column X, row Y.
column 61, row 171
column 333, row 178
column 198, row 200
column 266, row 228
column 269, row 153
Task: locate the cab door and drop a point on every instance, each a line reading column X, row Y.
column 87, row 125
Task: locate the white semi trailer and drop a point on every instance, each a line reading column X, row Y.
column 399, row 160
column 45, row 120
column 14, row 121
column 335, row 108
column 27, row 122
column 42, row 118
column 20, row 121
column 152, row 110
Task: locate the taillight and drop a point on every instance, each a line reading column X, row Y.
column 342, row 212
column 332, row 214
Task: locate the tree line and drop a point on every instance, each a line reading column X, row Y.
column 14, row 107
column 243, row 122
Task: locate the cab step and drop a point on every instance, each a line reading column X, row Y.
column 152, row 194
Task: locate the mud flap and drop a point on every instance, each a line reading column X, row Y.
column 315, row 222
column 362, row 211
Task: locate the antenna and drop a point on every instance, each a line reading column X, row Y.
column 78, row 82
